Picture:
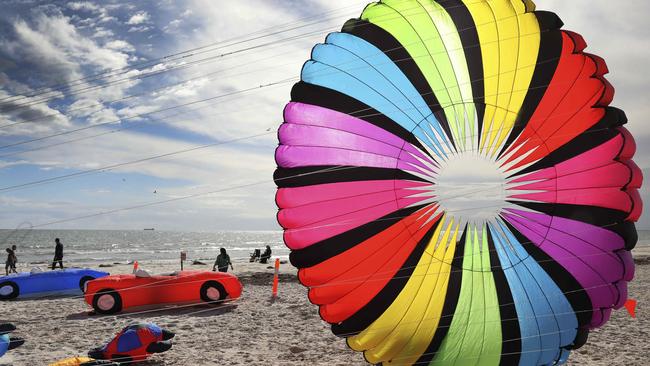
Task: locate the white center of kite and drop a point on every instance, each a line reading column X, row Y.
column 471, row 188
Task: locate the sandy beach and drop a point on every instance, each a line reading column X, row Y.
column 258, row 331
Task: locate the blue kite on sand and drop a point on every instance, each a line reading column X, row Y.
column 8, row 343
column 135, row 343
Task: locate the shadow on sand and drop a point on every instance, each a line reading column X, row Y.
column 199, row 310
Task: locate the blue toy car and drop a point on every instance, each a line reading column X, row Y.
column 47, row 283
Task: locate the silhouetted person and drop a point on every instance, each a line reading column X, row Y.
column 222, row 262
column 15, row 259
column 266, row 255
column 255, row 256
column 10, row 262
column 58, row 254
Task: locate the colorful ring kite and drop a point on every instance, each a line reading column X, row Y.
column 384, row 110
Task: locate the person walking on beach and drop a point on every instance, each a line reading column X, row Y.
column 266, row 255
column 58, row 254
column 15, row 259
column 222, row 262
column 10, row 263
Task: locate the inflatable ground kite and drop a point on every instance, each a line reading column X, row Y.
column 39, row 283
column 8, row 343
column 135, row 343
column 385, row 110
column 83, row 361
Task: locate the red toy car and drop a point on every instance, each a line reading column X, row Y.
column 112, row 294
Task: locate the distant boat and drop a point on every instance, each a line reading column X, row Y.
column 149, row 228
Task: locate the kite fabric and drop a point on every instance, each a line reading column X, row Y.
column 134, row 343
column 389, row 101
column 8, row 342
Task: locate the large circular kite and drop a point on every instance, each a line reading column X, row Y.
column 407, row 254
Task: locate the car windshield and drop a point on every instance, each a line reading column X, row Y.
column 169, row 274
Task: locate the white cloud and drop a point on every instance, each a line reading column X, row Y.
column 83, row 5
column 142, row 28
column 257, row 110
column 104, row 115
column 57, row 50
column 172, row 26
column 101, row 32
column 105, row 18
column 58, row 53
column 100, row 13
column 6, row 164
column 139, row 18
column 12, row 86
column 119, row 45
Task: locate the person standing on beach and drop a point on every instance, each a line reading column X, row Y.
column 222, row 262
column 58, row 254
column 15, row 259
column 10, row 265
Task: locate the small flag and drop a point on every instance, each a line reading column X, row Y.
column 630, row 305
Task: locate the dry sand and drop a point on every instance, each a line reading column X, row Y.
column 258, row 331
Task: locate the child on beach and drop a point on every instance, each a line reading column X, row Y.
column 222, row 262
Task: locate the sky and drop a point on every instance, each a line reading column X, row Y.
column 86, row 85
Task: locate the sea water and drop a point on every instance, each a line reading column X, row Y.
column 114, row 246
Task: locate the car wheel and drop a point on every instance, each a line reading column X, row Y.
column 213, row 291
column 8, row 290
column 82, row 282
column 107, row 301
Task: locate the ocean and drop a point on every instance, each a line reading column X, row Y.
column 115, row 246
